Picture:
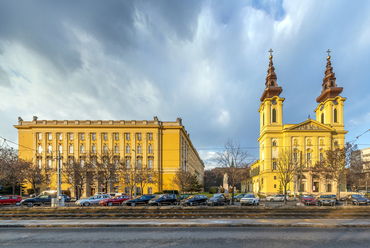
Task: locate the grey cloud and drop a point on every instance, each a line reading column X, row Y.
column 4, row 79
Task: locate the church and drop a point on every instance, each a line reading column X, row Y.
column 306, row 141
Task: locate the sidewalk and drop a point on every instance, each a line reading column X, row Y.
column 187, row 223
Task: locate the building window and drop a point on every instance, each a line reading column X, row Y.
column 82, row 136
column 138, row 190
column 116, row 163
column 127, row 149
column 127, row 178
column 274, row 186
column 138, row 163
column 150, row 136
column 138, row 136
column 274, row 165
column 322, row 118
column 93, row 162
column 49, row 163
column 40, row 149
column 39, row 163
column 150, row 178
column 308, row 157
column 127, row 136
column 274, row 143
column 116, row 178
column 321, row 156
column 139, row 149
column 150, row 190
column 48, row 178
column 274, row 177
column 82, row 162
column 70, row 149
column 70, row 136
column 39, row 135
column 335, row 115
column 105, row 136
column 82, row 149
column 295, row 157
column 150, row 163
column 50, row 136
column 116, row 149
column 49, row 149
column 93, row 149
column 60, row 149
column 128, row 162
column 150, row 148
column 105, row 149
column 116, row 136
column 60, row 135
column 93, row 136
column 273, row 115
column 127, row 190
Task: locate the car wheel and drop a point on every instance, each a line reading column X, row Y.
column 158, row 204
column 30, row 204
column 110, row 204
column 86, row 204
column 133, row 204
column 271, row 199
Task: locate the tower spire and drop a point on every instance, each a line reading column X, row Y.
column 272, row 88
column 329, row 87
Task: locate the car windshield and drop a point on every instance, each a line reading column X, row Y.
column 217, row 196
column 357, row 196
column 326, row 196
column 248, row 196
column 307, row 196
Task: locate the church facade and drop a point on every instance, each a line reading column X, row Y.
column 306, row 142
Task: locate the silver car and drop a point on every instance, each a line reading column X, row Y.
column 249, row 199
column 92, row 200
column 278, row 197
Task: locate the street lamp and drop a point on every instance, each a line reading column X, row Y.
column 134, row 173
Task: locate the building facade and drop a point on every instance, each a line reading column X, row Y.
column 162, row 147
column 306, row 142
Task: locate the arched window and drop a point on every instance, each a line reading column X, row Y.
column 272, row 83
column 274, row 115
column 335, row 115
column 326, row 86
column 322, row 118
column 274, row 143
column 331, row 83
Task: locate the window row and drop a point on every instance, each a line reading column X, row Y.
column 94, row 150
column 49, row 136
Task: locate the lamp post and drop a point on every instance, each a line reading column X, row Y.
column 134, row 173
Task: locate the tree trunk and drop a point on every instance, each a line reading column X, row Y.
column 285, row 194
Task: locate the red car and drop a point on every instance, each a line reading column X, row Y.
column 308, row 200
column 11, row 200
column 114, row 201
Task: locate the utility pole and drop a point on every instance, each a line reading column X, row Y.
column 134, row 173
column 300, row 175
column 59, row 182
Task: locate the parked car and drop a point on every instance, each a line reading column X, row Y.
column 238, row 197
column 44, row 199
column 250, row 199
column 326, row 200
column 278, row 197
column 219, row 199
column 10, row 200
column 92, row 200
column 165, row 199
column 183, row 197
column 118, row 200
column 141, row 200
column 308, row 200
column 357, row 199
column 195, row 200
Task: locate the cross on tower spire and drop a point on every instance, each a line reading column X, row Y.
column 270, row 51
column 328, row 51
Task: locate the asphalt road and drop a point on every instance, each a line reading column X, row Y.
column 185, row 237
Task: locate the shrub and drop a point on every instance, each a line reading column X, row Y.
column 30, row 191
column 213, row 190
column 171, row 191
column 158, row 193
column 222, row 190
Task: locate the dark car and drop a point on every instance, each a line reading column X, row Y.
column 41, row 200
column 219, row 199
column 238, row 197
column 308, row 200
column 357, row 199
column 195, row 200
column 326, row 200
column 166, row 199
column 11, row 200
column 141, row 200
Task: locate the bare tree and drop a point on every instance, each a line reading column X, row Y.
column 286, row 169
column 34, row 175
column 233, row 162
column 145, row 176
column 107, row 167
column 183, row 180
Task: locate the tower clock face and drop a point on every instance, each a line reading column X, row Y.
column 335, row 102
column 273, row 102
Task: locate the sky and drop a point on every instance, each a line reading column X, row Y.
column 203, row 61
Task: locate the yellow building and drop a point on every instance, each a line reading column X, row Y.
column 306, row 141
column 162, row 146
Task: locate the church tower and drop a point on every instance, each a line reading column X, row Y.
column 330, row 108
column 271, row 108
